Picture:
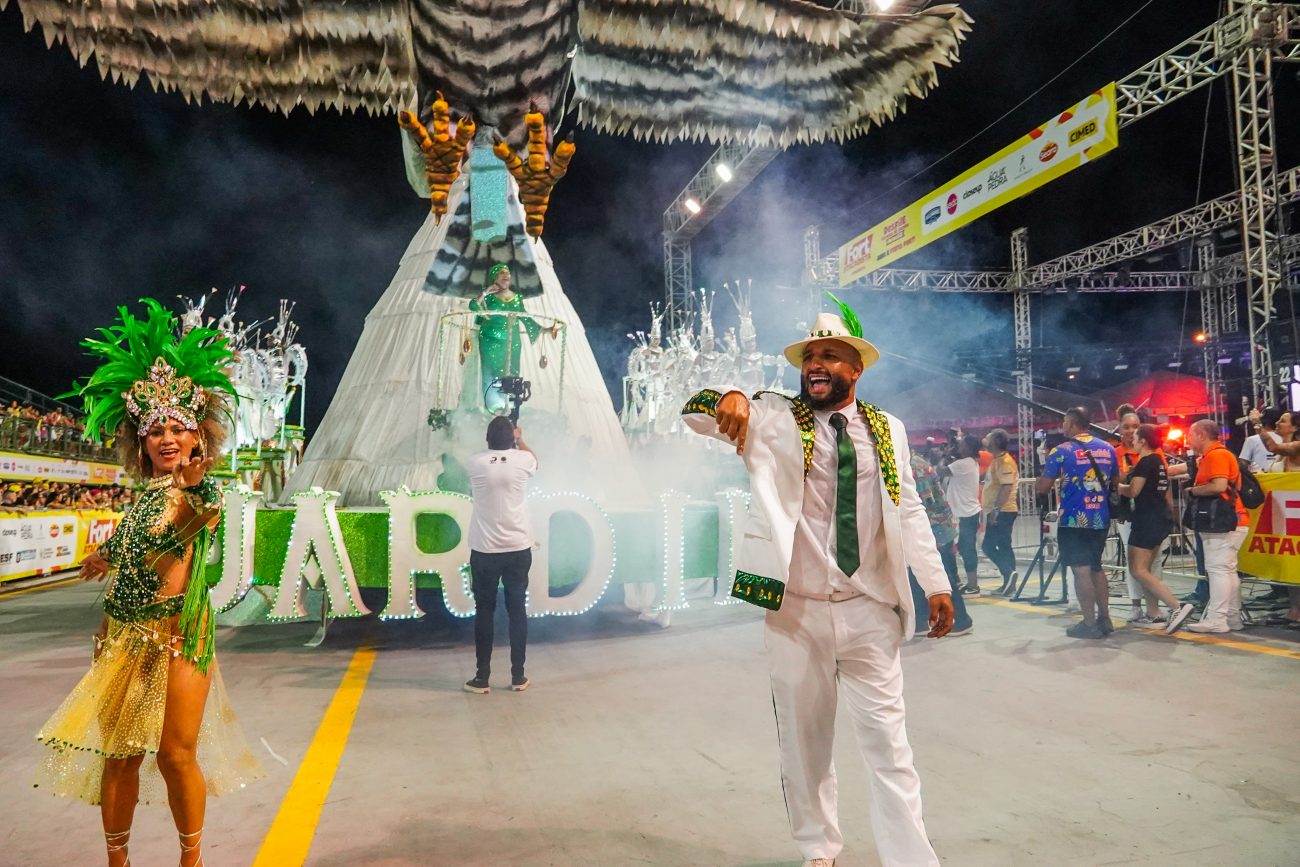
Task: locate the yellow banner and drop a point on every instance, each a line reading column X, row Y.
column 35, row 468
column 40, row 543
column 1272, row 550
column 1079, row 134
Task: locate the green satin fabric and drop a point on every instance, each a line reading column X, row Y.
column 846, row 498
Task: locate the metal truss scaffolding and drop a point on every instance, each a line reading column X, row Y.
column 1245, row 43
column 1024, row 362
column 726, row 172
column 1212, row 324
column 1264, row 28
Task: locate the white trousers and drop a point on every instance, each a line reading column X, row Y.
column 1221, row 551
column 816, row 650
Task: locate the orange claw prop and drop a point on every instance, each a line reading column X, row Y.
column 443, row 152
column 538, row 176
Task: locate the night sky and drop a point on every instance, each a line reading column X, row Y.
column 109, row 194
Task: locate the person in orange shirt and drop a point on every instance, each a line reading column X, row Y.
column 1218, row 475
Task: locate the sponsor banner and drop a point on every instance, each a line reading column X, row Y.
column 39, row 543
column 1079, row 134
column 39, row 468
column 1272, row 550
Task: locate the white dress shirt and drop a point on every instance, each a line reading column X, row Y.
column 813, row 570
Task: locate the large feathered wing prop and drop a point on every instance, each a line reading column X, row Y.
column 342, row 54
column 764, row 72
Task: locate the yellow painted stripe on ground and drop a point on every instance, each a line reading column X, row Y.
column 50, row 586
column 1007, row 603
column 288, row 841
column 1181, row 635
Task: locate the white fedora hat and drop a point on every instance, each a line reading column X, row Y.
column 828, row 326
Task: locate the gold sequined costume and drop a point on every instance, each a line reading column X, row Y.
column 116, row 710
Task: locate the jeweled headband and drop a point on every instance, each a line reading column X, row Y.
column 165, row 395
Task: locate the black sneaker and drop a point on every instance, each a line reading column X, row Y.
column 970, row 591
column 1084, row 630
column 478, row 685
column 519, row 684
column 1104, row 626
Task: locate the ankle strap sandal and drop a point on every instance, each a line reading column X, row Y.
column 187, row 846
column 117, row 842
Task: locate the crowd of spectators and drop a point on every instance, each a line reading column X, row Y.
column 27, row 428
column 54, row 418
column 23, row 497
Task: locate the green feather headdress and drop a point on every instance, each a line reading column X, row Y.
column 851, row 321
column 149, row 373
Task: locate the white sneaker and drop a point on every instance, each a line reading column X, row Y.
column 1178, row 617
column 820, row 862
column 1217, row 625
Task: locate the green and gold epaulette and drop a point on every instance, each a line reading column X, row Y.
column 879, row 425
column 705, row 403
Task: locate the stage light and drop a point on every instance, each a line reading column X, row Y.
column 1175, row 364
column 1071, row 376
column 1200, row 337
column 1072, row 370
column 1225, row 360
column 724, row 172
column 691, row 205
column 1175, row 434
column 1121, row 365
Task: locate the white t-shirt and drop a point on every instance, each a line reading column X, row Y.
column 964, row 487
column 498, row 480
column 1254, row 453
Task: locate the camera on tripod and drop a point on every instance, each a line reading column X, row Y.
column 517, row 391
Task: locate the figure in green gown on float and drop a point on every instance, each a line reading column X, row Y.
column 499, row 345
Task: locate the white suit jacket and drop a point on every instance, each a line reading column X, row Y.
column 774, row 456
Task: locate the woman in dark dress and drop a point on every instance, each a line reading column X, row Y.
column 1152, row 519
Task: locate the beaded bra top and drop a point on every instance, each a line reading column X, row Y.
column 146, row 533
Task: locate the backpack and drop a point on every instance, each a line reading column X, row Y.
column 1217, row 515
column 1252, row 495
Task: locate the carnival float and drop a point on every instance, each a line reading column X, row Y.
column 477, row 90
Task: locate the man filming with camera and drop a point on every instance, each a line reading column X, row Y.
column 501, row 545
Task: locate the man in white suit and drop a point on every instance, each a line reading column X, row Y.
column 834, row 524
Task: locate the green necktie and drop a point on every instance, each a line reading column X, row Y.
column 846, row 498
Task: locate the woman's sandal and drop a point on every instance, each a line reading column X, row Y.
column 186, row 848
column 117, row 842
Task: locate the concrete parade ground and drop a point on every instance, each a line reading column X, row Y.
column 637, row 745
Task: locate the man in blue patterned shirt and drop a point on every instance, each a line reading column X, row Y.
column 1088, row 470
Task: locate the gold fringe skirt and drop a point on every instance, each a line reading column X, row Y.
column 116, row 712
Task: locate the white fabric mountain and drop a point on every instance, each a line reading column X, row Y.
column 375, row 435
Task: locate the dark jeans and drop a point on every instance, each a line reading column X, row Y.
column 511, row 571
column 961, row 618
column 997, row 543
column 968, row 530
column 1202, row 591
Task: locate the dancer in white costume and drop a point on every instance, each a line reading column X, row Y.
column 844, row 551
column 375, row 435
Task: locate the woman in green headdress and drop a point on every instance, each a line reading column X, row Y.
column 153, row 688
column 499, row 345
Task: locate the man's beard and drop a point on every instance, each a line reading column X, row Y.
column 841, row 390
